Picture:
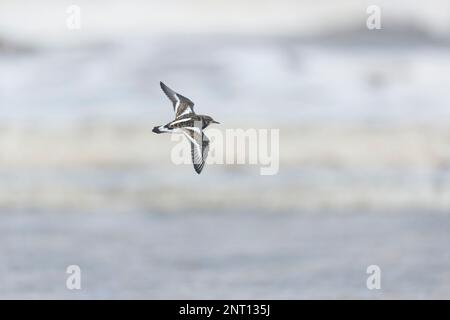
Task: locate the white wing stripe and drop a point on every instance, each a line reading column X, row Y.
column 177, row 104
column 190, row 138
column 198, row 130
column 188, row 110
column 182, row 120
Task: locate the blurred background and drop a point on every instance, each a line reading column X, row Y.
column 364, row 149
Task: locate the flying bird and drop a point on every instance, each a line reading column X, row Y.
column 190, row 124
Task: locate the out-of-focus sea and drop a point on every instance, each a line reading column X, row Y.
column 360, row 127
column 364, row 173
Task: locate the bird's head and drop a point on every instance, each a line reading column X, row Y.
column 207, row 120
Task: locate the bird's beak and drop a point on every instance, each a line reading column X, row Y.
column 214, row 121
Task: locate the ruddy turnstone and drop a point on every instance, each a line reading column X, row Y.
column 190, row 124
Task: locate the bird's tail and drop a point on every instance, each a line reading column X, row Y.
column 161, row 129
column 157, row 130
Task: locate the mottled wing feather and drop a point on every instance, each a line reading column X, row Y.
column 199, row 147
column 184, row 108
column 181, row 104
column 205, row 149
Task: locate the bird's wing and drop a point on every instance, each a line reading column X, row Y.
column 181, row 105
column 199, row 146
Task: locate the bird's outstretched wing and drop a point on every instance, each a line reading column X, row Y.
column 181, row 105
column 199, row 146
